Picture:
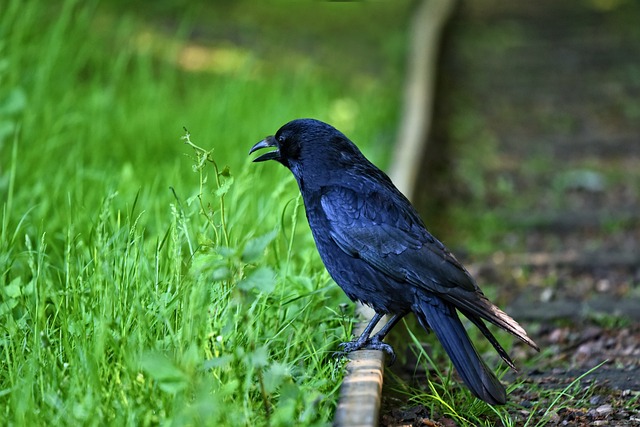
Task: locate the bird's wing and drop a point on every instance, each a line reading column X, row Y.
column 381, row 228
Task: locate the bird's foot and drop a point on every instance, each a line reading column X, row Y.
column 369, row 344
column 348, row 347
column 376, row 344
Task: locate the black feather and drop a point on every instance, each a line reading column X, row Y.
column 445, row 323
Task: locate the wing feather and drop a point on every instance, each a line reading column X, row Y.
column 392, row 239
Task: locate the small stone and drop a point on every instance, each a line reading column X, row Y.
column 604, row 410
column 546, row 295
column 558, row 335
column 603, row 285
column 595, row 400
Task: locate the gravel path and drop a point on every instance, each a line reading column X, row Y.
column 533, row 171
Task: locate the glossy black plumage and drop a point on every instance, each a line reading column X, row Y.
column 376, row 247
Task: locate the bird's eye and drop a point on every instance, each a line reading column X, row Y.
column 281, row 139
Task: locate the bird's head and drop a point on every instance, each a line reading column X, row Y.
column 308, row 146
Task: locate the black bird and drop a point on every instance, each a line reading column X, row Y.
column 376, row 247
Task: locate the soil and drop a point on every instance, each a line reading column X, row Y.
column 536, row 138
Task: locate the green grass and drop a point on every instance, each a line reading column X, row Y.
column 140, row 283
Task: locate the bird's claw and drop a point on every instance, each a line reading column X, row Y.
column 348, row 347
column 370, row 344
column 379, row 345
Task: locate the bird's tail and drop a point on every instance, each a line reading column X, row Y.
column 443, row 319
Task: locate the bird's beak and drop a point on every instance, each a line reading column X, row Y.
column 269, row 141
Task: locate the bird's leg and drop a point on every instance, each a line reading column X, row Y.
column 379, row 336
column 375, row 342
column 361, row 341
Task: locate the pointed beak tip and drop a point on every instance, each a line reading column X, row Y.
column 266, row 143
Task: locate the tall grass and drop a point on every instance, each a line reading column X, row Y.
column 140, row 284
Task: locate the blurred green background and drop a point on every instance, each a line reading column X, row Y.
column 108, row 87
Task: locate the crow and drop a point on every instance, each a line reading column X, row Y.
column 378, row 250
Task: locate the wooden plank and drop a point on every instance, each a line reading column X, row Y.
column 361, row 390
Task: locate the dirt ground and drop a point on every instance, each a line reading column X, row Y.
column 535, row 152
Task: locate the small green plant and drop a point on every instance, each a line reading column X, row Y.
column 223, row 181
column 559, row 399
